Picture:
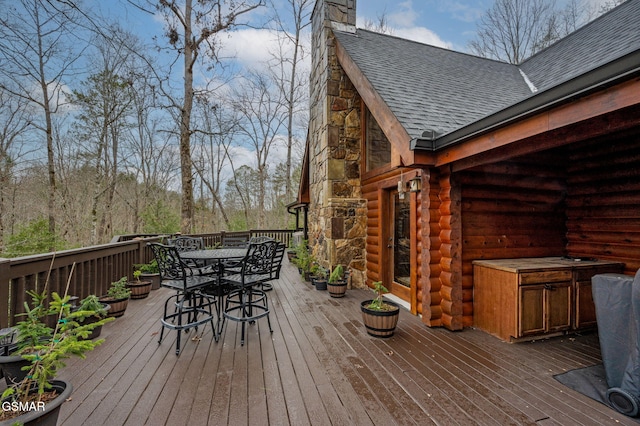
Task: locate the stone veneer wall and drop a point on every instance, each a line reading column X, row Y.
column 337, row 211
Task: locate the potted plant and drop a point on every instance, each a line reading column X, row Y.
column 291, row 254
column 304, row 260
column 337, row 284
column 99, row 310
column 117, row 297
column 139, row 288
column 11, row 363
column 380, row 316
column 37, row 398
column 150, row 272
column 319, row 277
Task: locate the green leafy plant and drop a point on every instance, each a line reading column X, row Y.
column 337, row 274
column 119, row 290
column 92, row 304
column 304, row 259
column 318, row 271
column 147, row 268
column 46, row 348
column 378, row 304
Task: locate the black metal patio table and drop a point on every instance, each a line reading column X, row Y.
column 219, row 256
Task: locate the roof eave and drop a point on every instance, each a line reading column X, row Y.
column 604, row 76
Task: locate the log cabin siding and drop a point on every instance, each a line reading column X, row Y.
column 431, row 256
column 603, row 205
column 450, row 249
column 510, row 209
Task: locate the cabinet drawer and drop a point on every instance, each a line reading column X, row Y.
column 542, row 277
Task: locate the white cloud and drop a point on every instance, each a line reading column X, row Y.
column 405, row 17
column 249, row 46
column 422, row 35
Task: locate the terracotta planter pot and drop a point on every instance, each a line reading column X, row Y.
column 139, row 289
column 338, row 288
column 154, row 278
column 49, row 415
column 380, row 323
column 118, row 306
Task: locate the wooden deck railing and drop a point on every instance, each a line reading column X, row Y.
column 88, row 270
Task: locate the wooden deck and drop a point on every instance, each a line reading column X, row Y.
column 320, row 367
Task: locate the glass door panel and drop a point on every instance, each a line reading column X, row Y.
column 401, row 239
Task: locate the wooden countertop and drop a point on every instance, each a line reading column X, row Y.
column 531, row 264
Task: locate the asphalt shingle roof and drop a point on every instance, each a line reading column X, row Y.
column 604, row 39
column 431, row 88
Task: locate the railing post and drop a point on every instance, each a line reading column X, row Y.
column 4, row 292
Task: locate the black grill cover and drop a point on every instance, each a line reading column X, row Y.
column 617, row 302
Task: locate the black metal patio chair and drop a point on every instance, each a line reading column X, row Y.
column 276, row 265
column 247, row 302
column 184, row 243
column 189, row 307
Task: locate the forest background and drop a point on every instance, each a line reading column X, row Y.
column 107, row 129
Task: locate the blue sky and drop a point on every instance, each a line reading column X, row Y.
column 445, row 23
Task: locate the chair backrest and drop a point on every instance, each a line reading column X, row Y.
column 259, row 258
column 184, row 243
column 235, row 240
column 260, row 239
column 276, row 263
column 169, row 264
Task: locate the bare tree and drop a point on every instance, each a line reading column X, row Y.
column 214, row 137
column 262, row 113
column 37, row 52
column 380, row 25
column 13, row 124
column 513, row 30
column 192, row 29
column 105, row 103
column 286, row 70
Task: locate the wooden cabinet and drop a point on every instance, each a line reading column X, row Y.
column 523, row 298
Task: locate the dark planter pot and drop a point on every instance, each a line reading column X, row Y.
column 319, row 283
column 47, row 416
column 380, row 323
column 154, row 278
column 291, row 255
column 118, row 306
column 11, row 366
column 338, row 288
column 90, row 320
column 307, row 276
column 139, row 289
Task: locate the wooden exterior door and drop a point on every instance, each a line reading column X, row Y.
column 398, row 260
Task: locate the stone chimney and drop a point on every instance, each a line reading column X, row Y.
column 337, row 211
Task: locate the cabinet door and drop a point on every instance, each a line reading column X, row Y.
column 532, row 310
column 558, row 306
column 544, row 308
column 585, row 308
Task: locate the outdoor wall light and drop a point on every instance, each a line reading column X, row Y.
column 415, row 184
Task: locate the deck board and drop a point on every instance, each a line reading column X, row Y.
column 319, row 367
